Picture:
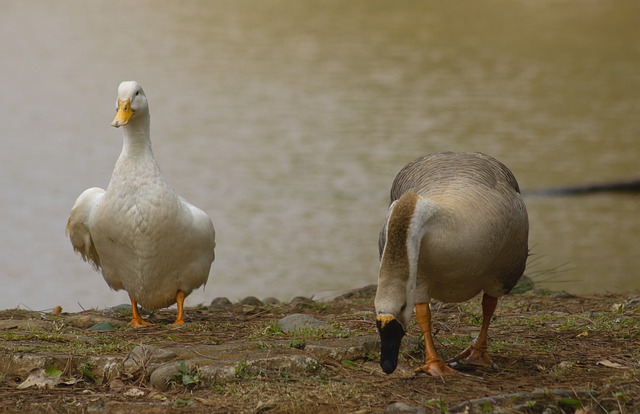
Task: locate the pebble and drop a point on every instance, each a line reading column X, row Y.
column 402, row 408
column 271, row 301
column 252, row 301
column 102, row 327
column 298, row 320
column 142, row 355
column 220, row 304
column 160, row 379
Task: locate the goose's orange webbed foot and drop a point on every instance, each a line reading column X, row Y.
column 139, row 323
column 437, row 368
column 474, row 355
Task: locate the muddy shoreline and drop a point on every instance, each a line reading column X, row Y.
column 555, row 353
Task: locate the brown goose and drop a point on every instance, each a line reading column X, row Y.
column 456, row 226
column 141, row 235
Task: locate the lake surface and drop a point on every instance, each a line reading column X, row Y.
column 287, row 121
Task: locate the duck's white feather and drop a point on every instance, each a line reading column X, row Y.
column 139, row 233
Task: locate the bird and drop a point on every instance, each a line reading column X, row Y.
column 456, row 226
column 139, row 233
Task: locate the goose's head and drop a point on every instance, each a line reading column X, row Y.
column 391, row 331
column 131, row 103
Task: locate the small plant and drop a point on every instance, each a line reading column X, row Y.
column 273, row 329
column 242, row 369
column 182, row 402
column 264, row 346
column 87, row 373
column 188, row 376
column 486, row 407
column 297, row 343
column 284, row 375
column 442, row 406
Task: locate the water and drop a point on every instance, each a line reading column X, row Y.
column 286, row 121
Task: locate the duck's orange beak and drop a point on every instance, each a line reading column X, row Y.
column 124, row 113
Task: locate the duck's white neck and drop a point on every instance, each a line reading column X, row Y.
column 136, row 136
column 406, row 226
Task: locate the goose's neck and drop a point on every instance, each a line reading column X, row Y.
column 406, row 226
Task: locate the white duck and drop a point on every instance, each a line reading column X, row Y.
column 456, row 226
column 141, row 235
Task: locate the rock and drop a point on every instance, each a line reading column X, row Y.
column 86, row 320
column 402, row 408
column 271, row 301
column 217, row 373
column 301, row 299
column 339, row 349
column 365, row 292
column 251, row 301
column 298, row 320
column 161, row 378
column 296, row 364
column 102, row 327
column 23, row 324
column 134, row 392
column 141, row 358
column 220, row 303
column 264, row 406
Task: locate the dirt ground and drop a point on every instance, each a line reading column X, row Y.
column 555, row 353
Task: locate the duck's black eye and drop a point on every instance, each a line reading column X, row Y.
column 137, row 93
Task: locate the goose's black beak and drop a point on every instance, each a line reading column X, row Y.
column 391, row 333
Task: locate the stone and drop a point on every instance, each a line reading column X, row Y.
column 161, row 378
column 299, row 320
column 402, row 408
column 271, row 301
column 365, row 292
column 23, row 325
column 102, row 327
column 142, row 356
column 301, row 299
column 220, row 303
column 86, row 320
column 251, row 301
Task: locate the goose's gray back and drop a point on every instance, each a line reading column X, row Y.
column 482, row 228
column 446, row 170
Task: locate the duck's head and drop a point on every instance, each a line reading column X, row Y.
column 131, row 103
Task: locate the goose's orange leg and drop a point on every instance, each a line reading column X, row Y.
column 136, row 319
column 180, row 301
column 476, row 353
column 433, row 364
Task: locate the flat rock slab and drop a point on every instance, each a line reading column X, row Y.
column 297, row 321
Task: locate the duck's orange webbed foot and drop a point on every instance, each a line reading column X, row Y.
column 136, row 319
column 180, row 301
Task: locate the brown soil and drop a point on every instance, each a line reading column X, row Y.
column 555, row 353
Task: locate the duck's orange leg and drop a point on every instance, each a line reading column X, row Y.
column 180, row 301
column 476, row 353
column 433, row 364
column 136, row 319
